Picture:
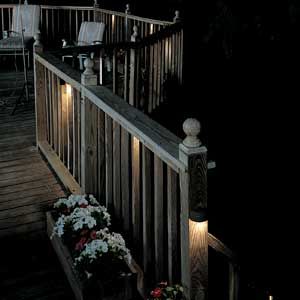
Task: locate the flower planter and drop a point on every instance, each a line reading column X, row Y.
column 123, row 287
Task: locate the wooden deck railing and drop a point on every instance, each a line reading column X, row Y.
column 59, row 22
column 142, row 69
column 233, row 282
column 97, row 143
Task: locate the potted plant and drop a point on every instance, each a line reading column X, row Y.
column 167, row 292
column 96, row 261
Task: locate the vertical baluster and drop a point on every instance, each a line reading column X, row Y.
column 70, row 126
column 47, row 22
column 109, row 162
column 158, row 218
column 151, row 105
column 75, row 133
column 147, row 214
column 2, row 21
column 173, row 209
column 65, row 124
column 162, row 68
column 53, row 23
column 159, row 80
column 41, row 102
column 125, row 179
column 136, row 201
column 55, row 115
column 59, row 117
column 50, row 107
column 117, row 171
column 58, row 22
column 115, row 72
column 101, row 157
column 70, row 24
column 76, row 24
column 78, row 116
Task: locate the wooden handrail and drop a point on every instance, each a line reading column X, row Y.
column 67, row 7
column 149, row 40
column 158, row 139
column 220, row 247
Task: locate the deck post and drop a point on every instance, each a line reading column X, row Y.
column 134, row 65
column 194, row 226
column 96, row 12
column 39, row 91
column 88, row 78
column 177, row 18
column 127, row 22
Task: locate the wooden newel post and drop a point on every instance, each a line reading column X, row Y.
column 127, row 22
column 88, row 145
column 39, row 91
column 134, row 67
column 96, row 12
column 177, row 17
column 194, row 225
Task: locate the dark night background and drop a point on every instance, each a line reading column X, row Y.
column 242, row 82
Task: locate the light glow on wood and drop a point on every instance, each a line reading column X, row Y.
column 198, row 232
column 199, row 227
column 68, row 90
column 136, row 145
column 151, row 28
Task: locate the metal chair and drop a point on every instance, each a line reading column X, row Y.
column 19, row 40
column 90, row 33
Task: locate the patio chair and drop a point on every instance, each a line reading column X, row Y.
column 19, row 40
column 26, row 19
column 90, row 33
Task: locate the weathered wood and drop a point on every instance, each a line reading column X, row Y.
column 90, row 148
column 61, row 171
column 147, row 213
column 117, row 171
column 101, row 157
column 233, row 282
column 109, row 161
column 193, row 184
column 159, row 218
column 136, row 199
column 128, row 281
column 39, row 81
column 184, row 234
column 64, row 124
column 65, row 259
column 173, row 208
column 70, row 128
column 125, row 179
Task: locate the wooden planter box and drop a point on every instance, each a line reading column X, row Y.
column 123, row 288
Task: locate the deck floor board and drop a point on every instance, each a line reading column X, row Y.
column 29, row 268
column 27, row 185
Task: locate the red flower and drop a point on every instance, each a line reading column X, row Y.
column 93, row 234
column 80, row 245
column 156, row 293
column 83, row 205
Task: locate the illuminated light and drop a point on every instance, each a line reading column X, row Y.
column 151, row 28
column 68, row 90
column 136, row 144
column 198, row 227
column 113, row 19
column 270, row 297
